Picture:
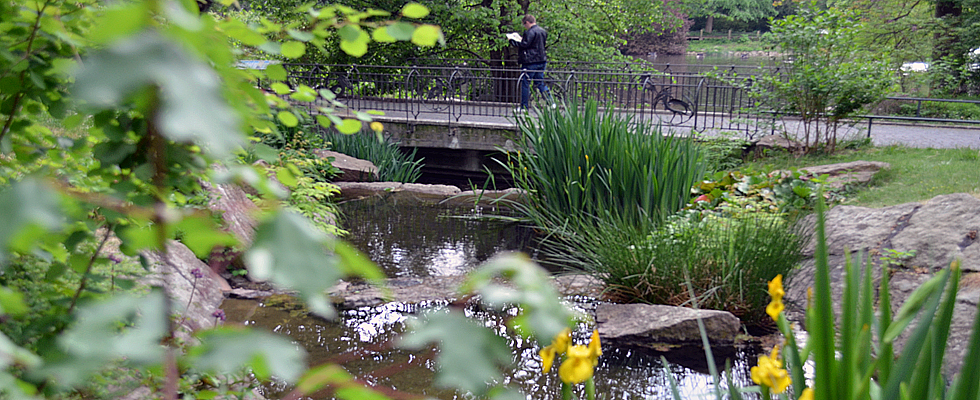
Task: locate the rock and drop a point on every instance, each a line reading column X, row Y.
column 397, row 191
column 351, row 169
column 938, row 231
column 775, row 142
column 194, row 299
column 854, row 172
column 236, row 209
column 647, row 324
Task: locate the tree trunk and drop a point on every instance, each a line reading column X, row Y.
column 708, row 26
column 950, row 11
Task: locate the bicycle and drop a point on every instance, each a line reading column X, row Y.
column 556, row 90
column 677, row 107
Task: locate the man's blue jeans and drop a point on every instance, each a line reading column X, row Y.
column 533, row 72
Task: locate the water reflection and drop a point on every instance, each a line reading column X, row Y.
column 419, row 240
column 362, row 342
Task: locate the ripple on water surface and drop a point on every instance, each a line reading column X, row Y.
column 362, row 341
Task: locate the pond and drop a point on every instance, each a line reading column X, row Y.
column 419, row 240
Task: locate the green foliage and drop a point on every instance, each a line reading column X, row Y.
column 790, row 192
column 471, row 354
column 856, row 358
column 580, row 167
column 157, row 89
column 393, row 164
column 728, row 256
column 723, row 153
column 830, row 79
column 947, row 110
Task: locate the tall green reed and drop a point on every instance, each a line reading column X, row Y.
column 393, row 164
column 852, row 356
column 581, row 165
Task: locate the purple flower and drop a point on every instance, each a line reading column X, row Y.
column 219, row 314
column 114, row 259
column 196, row 272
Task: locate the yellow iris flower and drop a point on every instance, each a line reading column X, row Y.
column 807, row 394
column 558, row 346
column 770, row 372
column 595, row 348
column 578, row 365
column 581, row 361
column 776, row 292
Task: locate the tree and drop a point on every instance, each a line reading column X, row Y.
column 830, row 78
column 578, row 30
column 738, row 10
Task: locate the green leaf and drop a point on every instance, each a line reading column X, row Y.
column 96, row 338
column 201, row 235
column 280, row 88
column 192, row 108
column 355, row 45
column 349, row 126
column 300, row 35
column 350, row 32
column 293, row 49
column 381, row 35
column 319, row 377
column 288, row 250
column 15, row 355
column 117, row 22
column 12, row 303
column 29, row 210
column 401, row 30
column 415, row 10
column 355, row 392
column 275, row 72
column 286, row 177
column 910, row 308
column 542, row 310
column 288, row 118
column 470, row 355
column 227, row 350
column 427, row 35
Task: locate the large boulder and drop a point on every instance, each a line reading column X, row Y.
column 647, row 325
column 854, row 172
column 194, row 289
column 937, row 231
column 351, row 169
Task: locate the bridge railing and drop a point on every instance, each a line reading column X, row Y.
column 460, row 92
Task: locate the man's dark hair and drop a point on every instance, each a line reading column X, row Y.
column 529, row 19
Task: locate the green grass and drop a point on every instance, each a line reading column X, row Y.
column 915, row 175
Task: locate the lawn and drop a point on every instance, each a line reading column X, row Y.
column 915, row 175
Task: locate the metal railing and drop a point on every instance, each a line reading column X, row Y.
column 482, row 91
column 464, row 92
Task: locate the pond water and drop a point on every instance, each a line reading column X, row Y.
column 417, row 240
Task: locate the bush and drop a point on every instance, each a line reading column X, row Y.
column 937, row 109
column 393, row 165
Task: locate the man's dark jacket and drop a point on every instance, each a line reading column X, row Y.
column 531, row 48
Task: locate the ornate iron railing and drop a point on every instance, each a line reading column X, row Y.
column 482, row 91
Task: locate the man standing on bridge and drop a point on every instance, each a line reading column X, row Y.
column 531, row 55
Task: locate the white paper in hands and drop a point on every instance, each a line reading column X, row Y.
column 514, row 36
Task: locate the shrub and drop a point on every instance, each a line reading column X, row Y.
column 393, row 165
column 947, row 110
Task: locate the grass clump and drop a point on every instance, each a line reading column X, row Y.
column 393, row 165
column 728, row 258
column 582, row 165
column 608, row 192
